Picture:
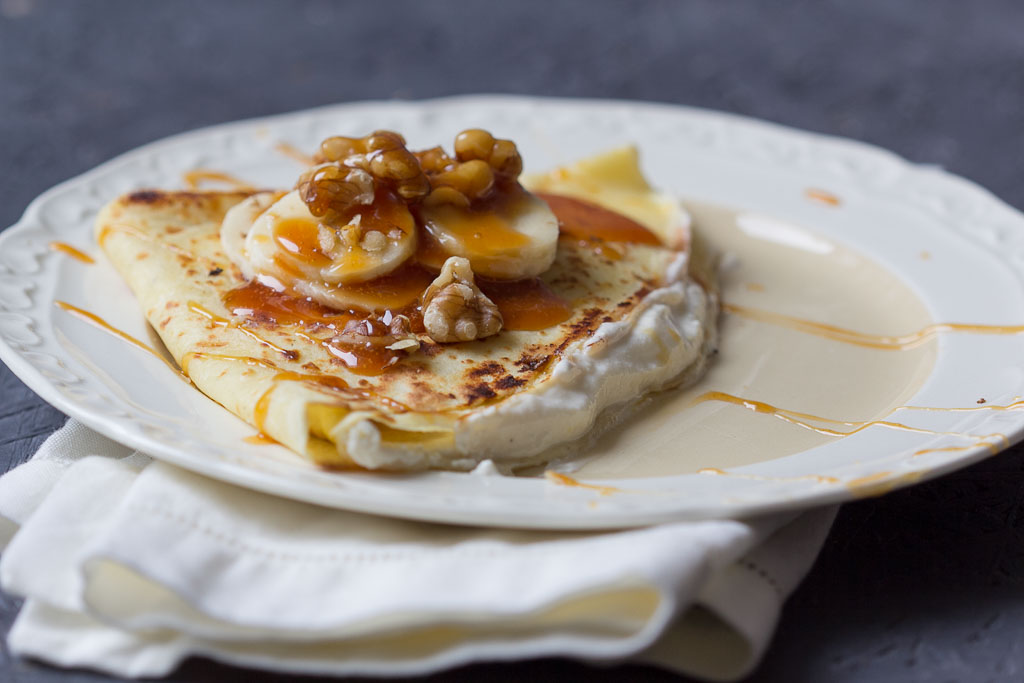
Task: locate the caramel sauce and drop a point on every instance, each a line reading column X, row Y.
column 218, row 321
column 397, row 290
column 332, row 382
column 1016, row 405
column 293, row 152
column 481, row 231
column 881, row 482
column 259, row 302
column 329, row 381
column 299, row 237
column 822, row 197
column 364, row 359
column 72, row 252
column 429, row 251
column 260, row 439
column 248, row 360
column 526, row 304
column 867, row 479
column 874, row 341
column 264, row 304
column 807, row 420
column 262, row 407
column 589, row 222
column 944, row 449
column 757, row 477
column 299, row 244
column 107, row 327
column 193, row 179
column 566, row 480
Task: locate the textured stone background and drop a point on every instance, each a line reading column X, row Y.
column 926, row 584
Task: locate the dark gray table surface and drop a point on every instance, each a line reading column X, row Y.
column 925, row 584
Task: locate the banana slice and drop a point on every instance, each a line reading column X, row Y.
column 514, row 240
column 614, row 180
column 236, row 226
column 276, row 235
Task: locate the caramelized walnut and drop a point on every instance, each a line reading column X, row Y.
column 501, row 156
column 454, row 308
column 331, row 191
column 350, row 170
column 480, row 164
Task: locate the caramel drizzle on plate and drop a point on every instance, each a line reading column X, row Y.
column 102, row 324
column 566, row 480
column 71, row 251
column 993, row 442
column 822, row 196
column 196, row 177
column 293, row 152
column 874, row 341
column 758, row 477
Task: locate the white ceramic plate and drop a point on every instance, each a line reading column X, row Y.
column 891, row 211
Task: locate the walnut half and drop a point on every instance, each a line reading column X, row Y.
column 454, row 308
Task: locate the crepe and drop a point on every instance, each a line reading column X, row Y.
column 640, row 318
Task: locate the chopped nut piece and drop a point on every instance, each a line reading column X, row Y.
column 350, row 235
column 374, row 241
column 454, row 308
column 409, row 345
column 400, row 326
column 395, row 336
column 327, row 238
column 366, row 327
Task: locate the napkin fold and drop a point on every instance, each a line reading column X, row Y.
column 129, row 566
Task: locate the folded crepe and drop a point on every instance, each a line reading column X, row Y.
column 634, row 318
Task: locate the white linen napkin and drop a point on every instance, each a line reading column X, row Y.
column 129, row 566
